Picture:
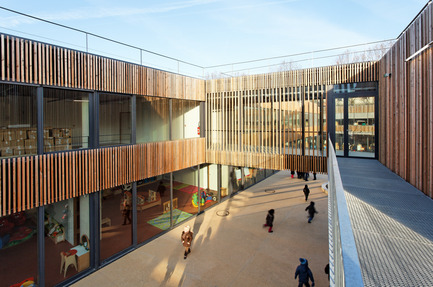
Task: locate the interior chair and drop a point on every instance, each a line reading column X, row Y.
column 68, row 258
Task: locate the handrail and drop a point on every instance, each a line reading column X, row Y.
column 344, row 266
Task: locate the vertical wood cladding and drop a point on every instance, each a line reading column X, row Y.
column 256, row 120
column 405, row 105
column 32, row 181
column 33, row 62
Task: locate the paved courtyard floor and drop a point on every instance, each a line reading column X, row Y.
column 234, row 250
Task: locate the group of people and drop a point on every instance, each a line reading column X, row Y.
column 303, row 271
column 303, row 175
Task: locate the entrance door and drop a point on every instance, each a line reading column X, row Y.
column 355, row 126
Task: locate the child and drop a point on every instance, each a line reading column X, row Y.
column 270, row 220
column 311, row 211
column 306, row 192
column 186, row 238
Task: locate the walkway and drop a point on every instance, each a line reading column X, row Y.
column 234, row 250
column 392, row 222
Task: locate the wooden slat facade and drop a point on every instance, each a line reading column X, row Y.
column 32, row 181
column 252, row 119
column 406, row 105
column 31, row 62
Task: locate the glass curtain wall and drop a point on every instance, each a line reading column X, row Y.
column 116, row 220
column 226, row 183
column 209, row 184
column 185, row 194
column 153, row 194
column 18, row 247
column 249, row 176
column 236, row 179
column 260, row 174
column 66, row 120
column 67, row 235
column 153, row 116
column 18, row 119
column 186, row 119
column 114, row 119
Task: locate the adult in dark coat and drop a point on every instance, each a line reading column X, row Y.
column 304, row 273
column 306, row 192
column 186, row 238
column 270, row 220
column 311, row 211
column 126, row 211
column 161, row 189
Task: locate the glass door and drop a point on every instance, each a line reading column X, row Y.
column 339, row 126
column 361, row 131
column 354, row 128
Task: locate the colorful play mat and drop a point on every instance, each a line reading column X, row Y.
column 163, row 221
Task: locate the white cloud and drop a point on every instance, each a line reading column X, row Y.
column 87, row 13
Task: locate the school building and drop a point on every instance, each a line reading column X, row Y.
column 100, row 156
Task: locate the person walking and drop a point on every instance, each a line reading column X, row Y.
column 270, row 220
column 306, row 192
column 311, row 211
column 186, row 238
column 126, row 212
column 304, row 273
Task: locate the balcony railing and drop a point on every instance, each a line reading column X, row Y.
column 344, row 264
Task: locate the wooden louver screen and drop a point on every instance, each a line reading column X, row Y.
column 29, row 182
column 259, row 120
column 32, row 62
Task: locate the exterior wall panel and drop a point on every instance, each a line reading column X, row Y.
column 31, row 62
column 405, row 105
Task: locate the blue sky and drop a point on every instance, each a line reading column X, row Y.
column 212, row 32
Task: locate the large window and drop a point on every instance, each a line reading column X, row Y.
column 66, row 120
column 67, row 233
column 186, row 119
column 116, row 220
column 226, row 182
column 114, row 119
column 18, row 247
column 209, row 184
column 153, row 116
column 153, row 198
column 18, row 119
column 185, row 195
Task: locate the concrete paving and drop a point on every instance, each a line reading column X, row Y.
column 391, row 222
column 234, row 250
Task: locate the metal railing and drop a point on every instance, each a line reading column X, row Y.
column 344, row 267
column 40, row 29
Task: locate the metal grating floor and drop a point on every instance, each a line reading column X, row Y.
column 392, row 223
